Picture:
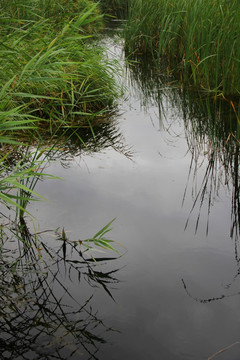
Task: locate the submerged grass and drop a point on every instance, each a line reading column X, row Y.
column 199, row 39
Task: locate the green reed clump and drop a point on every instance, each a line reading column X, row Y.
column 198, row 38
column 52, row 75
column 56, row 74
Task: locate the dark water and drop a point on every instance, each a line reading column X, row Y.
column 174, row 194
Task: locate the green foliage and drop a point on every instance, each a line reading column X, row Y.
column 50, row 72
column 198, row 38
column 17, row 184
column 53, row 72
column 100, row 240
column 91, row 244
column 55, row 12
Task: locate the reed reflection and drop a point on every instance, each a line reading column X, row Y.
column 39, row 316
column 68, row 143
column 212, row 132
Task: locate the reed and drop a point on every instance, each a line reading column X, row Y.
column 54, row 72
column 197, row 38
column 50, row 73
column 56, row 12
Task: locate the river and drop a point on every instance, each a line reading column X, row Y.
column 177, row 290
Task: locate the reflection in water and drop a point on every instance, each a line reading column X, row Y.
column 40, row 319
column 212, row 131
column 216, row 136
column 208, row 300
column 67, row 144
column 96, row 137
column 156, row 317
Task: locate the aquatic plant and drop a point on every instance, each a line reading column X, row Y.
column 197, row 38
column 12, row 122
column 55, row 78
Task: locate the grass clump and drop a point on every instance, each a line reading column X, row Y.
column 199, row 39
column 53, row 77
column 49, row 67
column 56, row 12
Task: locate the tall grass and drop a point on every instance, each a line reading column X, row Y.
column 54, row 72
column 198, row 38
column 51, row 74
column 56, row 12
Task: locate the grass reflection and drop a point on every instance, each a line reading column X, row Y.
column 40, row 319
column 69, row 143
column 211, row 129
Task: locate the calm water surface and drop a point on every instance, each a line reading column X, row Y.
column 178, row 292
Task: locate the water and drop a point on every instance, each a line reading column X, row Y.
column 178, row 290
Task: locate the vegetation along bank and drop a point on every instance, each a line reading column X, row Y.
column 53, row 76
column 198, row 39
column 50, row 68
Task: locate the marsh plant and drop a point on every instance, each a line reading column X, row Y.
column 57, row 13
column 53, row 76
column 54, row 71
column 55, row 80
column 199, row 39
